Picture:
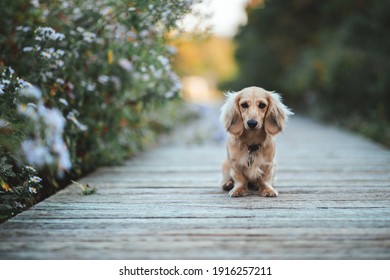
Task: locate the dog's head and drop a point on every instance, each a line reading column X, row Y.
column 254, row 108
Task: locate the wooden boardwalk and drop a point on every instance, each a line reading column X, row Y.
column 334, row 203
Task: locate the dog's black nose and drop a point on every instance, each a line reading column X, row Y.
column 251, row 123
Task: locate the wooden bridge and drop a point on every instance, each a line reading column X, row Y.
column 334, row 203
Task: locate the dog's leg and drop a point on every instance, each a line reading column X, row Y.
column 265, row 182
column 240, row 184
column 267, row 190
column 227, row 181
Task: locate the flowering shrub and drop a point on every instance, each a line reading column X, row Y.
column 82, row 84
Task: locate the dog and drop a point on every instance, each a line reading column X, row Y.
column 252, row 118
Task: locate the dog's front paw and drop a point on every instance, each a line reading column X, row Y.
column 268, row 191
column 237, row 192
column 228, row 186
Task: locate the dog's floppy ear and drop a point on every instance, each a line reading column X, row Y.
column 231, row 115
column 276, row 115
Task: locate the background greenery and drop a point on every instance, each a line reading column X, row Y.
column 328, row 58
column 83, row 83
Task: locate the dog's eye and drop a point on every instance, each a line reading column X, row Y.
column 262, row 105
column 244, row 105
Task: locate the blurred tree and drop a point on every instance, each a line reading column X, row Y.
column 329, row 58
column 210, row 57
column 271, row 40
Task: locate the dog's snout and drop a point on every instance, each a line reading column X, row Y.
column 251, row 123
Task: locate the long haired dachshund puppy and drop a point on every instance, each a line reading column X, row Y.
column 252, row 118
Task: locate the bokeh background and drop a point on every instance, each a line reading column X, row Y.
column 329, row 59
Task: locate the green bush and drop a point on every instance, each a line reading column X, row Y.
column 83, row 83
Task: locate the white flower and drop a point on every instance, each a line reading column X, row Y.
column 32, row 189
column 77, row 14
column 1, row 89
column 22, row 83
column 65, row 5
column 126, row 64
column 57, row 36
column 35, row 179
column 106, row 11
column 59, row 63
column 169, row 94
column 54, row 122
column 63, row 101
column 177, row 86
column 144, row 33
column 131, row 9
column 30, row 168
column 60, row 81
column 157, row 74
column 19, row 205
column 23, row 28
column 172, row 50
column 27, row 110
column 35, row 3
column 103, row 79
column 32, row 105
column 70, row 85
column 49, row 74
column 48, row 33
column 131, row 35
column 31, row 91
column 36, row 153
column 164, row 61
column 117, row 82
column 3, row 123
column 45, row 30
column 91, row 86
column 89, row 37
column 60, row 52
column 63, row 160
column 72, row 116
column 145, row 77
column 39, row 153
column 27, row 49
column 46, row 54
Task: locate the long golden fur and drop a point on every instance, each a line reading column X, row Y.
column 252, row 118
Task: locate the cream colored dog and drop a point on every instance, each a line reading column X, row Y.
column 252, row 118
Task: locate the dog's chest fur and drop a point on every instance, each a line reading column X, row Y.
column 253, row 163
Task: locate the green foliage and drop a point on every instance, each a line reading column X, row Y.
column 83, row 84
column 328, row 58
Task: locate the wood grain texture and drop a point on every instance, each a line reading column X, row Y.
column 166, row 203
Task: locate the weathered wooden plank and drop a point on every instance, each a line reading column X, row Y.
column 199, row 248
column 138, row 196
column 193, row 183
column 285, row 234
column 188, row 210
column 334, row 203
